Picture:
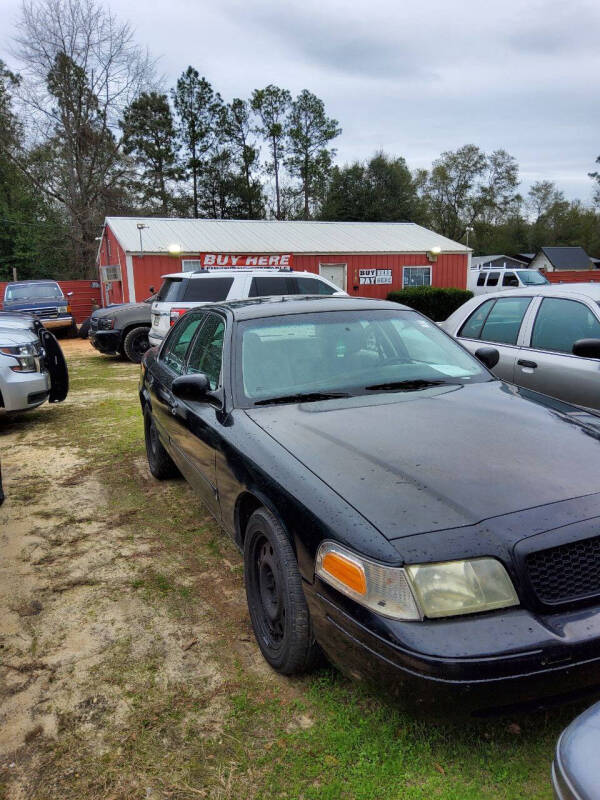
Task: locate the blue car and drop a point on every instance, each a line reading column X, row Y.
column 44, row 299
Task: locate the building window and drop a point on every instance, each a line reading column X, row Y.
column 190, row 264
column 416, row 276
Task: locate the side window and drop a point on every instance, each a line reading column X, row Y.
column 510, row 279
column 504, row 320
column 270, row 285
column 481, row 279
column 493, row 278
column 560, row 323
column 207, row 290
column 472, row 327
column 173, row 353
column 310, row 286
column 206, row 353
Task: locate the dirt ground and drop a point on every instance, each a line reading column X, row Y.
column 71, row 568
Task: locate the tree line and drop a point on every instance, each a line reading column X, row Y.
column 87, row 130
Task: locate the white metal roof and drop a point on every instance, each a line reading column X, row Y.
column 271, row 236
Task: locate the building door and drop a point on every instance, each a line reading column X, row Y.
column 336, row 273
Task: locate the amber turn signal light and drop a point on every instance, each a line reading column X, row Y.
column 345, row 571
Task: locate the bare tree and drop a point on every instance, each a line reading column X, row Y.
column 80, row 68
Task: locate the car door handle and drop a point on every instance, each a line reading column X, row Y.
column 523, row 363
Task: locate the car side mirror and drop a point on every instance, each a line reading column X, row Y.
column 191, row 387
column 587, row 348
column 152, row 290
column 69, row 294
column 488, row 356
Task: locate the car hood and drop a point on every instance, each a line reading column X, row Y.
column 444, row 457
column 110, row 310
column 22, row 305
column 16, row 322
column 9, row 337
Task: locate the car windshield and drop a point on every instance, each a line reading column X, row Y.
column 531, row 277
column 34, row 291
column 348, row 353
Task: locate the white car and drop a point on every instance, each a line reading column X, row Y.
column 488, row 279
column 184, row 290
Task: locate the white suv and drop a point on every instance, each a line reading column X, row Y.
column 184, row 290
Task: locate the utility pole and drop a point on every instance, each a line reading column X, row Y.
column 15, row 274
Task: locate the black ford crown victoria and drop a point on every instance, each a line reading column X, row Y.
column 423, row 523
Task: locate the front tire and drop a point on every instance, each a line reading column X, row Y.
column 136, row 343
column 276, row 602
column 159, row 461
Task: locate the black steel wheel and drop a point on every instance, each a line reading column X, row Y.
column 136, row 343
column 159, row 461
column 276, row 602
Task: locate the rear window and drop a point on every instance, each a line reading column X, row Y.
column 287, row 284
column 170, row 291
column 207, row 290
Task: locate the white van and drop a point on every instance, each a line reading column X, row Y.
column 490, row 279
column 184, row 290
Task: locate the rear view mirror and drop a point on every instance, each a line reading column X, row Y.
column 191, row 387
column 587, row 348
column 488, row 356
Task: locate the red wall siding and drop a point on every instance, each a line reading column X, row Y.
column 574, row 276
column 84, row 294
column 148, row 271
column 448, row 271
column 111, row 253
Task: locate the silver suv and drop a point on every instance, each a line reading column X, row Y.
column 32, row 365
column 184, row 290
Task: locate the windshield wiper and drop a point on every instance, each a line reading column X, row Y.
column 302, row 397
column 404, row 386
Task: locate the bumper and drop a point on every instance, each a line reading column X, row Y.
column 486, row 662
column 108, row 342
column 22, row 391
column 57, row 322
column 154, row 338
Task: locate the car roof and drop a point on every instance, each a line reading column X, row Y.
column 282, row 305
column 27, row 283
column 589, row 290
column 219, row 273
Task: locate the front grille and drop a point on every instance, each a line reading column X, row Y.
column 567, row 572
column 45, row 313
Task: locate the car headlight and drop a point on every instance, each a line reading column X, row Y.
column 382, row 589
column 63, row 309
column 25, row 355
column 416, row 591
column 461, row 587
column 106, row 323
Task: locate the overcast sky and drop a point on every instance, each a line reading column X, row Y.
column 410, row 77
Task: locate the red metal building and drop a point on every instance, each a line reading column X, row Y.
column 364, row 258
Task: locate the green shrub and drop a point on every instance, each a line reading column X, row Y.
column 433, row 301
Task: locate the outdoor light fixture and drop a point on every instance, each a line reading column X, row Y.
column 174, row 249
column 141, row 226
column 433, row 253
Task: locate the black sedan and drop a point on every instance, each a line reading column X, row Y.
column 424, row 524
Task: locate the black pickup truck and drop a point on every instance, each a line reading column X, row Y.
column 122, row 329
